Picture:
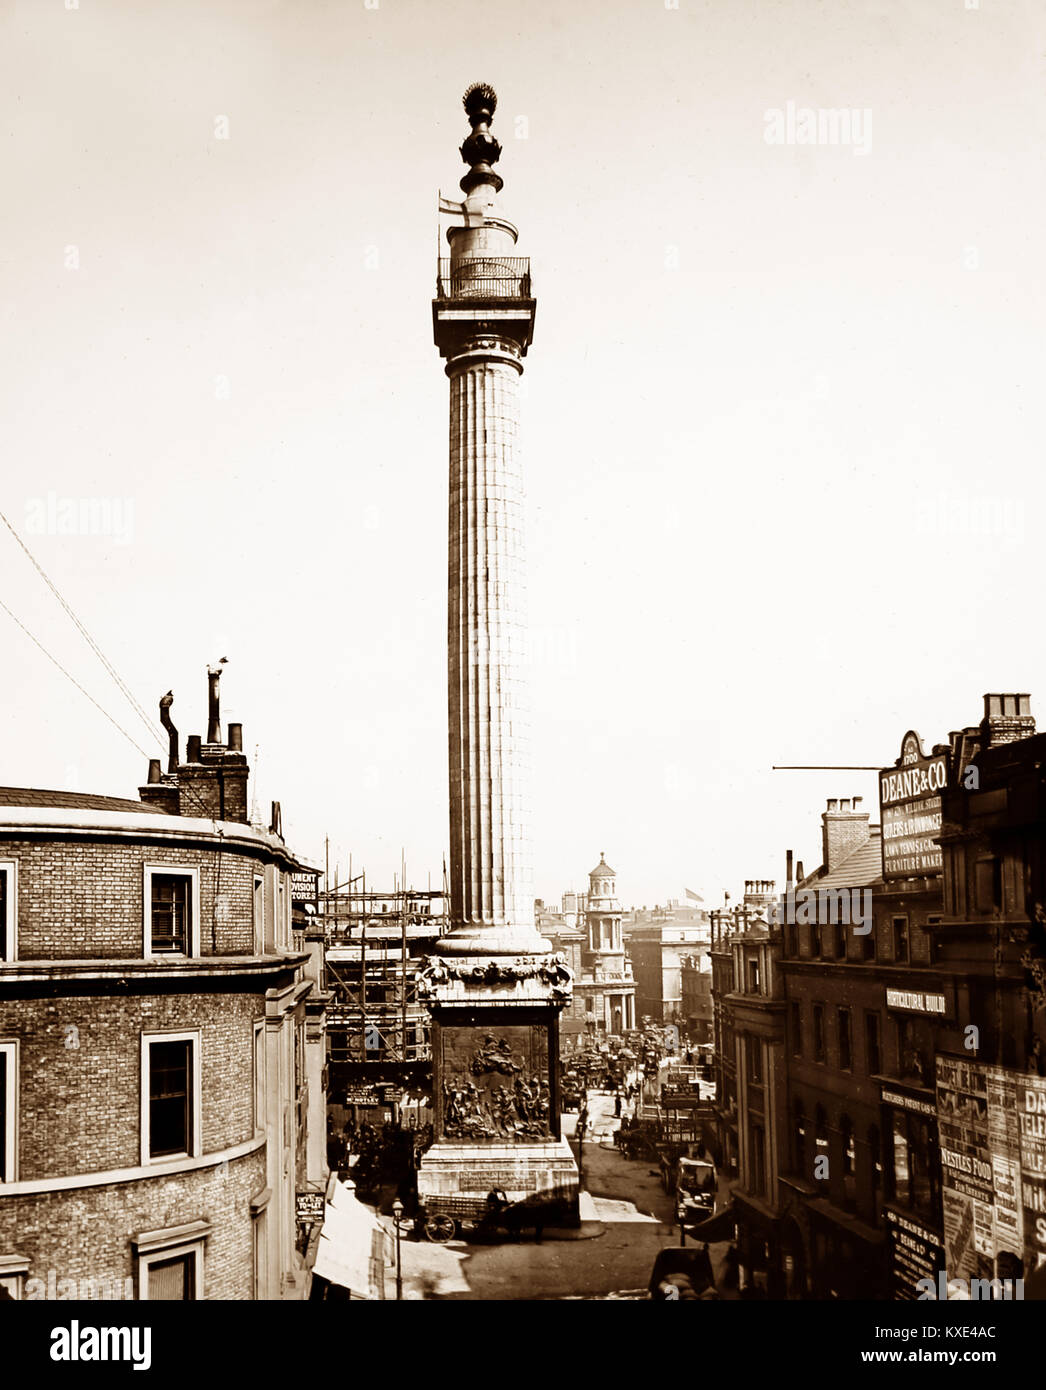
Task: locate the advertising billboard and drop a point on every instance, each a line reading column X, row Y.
column 910, row 811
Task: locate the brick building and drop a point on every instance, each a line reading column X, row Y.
column 907, row 1125
column 154, row 1058
column 658, row 941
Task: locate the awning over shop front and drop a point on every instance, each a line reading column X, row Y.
column 351, row 1251
column 715, row 1228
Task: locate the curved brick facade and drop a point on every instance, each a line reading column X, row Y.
column 87, row 1194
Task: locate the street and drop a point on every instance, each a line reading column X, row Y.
column 626, row 1199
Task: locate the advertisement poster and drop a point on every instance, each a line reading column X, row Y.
column 966, row 1167
column 915, row 1253
column 1005, row 1142
column 1031, row 1116
column 910, row 811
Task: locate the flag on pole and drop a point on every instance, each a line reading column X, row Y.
column 692, row 896
column 472, row 217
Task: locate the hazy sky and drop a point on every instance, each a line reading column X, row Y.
column 782, row 423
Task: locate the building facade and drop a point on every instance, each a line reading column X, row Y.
column 154, row 1056
column 909, row 970
column 657, row 943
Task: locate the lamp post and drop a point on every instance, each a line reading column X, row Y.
column 397, row 1212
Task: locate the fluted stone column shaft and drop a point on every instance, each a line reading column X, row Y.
column 490, row 874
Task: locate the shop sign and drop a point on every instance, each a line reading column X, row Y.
column 916, row 1253
column 910, row 811
column 309, row 1206
column 906, row 1102
column 916, row 1001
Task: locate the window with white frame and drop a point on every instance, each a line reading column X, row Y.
column 8, row 1111
column 170, row 1263
column 170, row 1096
column 8, row 909
column 172, row 910
column 259, row 914
column 13, row 1270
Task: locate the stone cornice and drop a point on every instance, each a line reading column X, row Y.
column 153, row 970
column 142, row 828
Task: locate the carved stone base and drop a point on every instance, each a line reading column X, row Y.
column 532, row 1174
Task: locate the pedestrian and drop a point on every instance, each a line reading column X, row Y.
column 617, row 1105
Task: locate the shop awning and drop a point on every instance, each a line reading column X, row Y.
column 715, row 1228
column 351, row 1250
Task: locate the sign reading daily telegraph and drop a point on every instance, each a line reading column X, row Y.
column 910, row 811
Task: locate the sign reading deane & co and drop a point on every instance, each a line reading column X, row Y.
column 910, row 811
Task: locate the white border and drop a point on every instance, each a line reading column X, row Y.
column 186, row 871
column 194, row 1100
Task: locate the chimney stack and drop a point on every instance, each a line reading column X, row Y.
column 161, row 789
column 212, row 782
column 1007, row 718
column 842, row 830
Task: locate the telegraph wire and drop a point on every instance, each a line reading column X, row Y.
column 120, row 684
column 75, row 682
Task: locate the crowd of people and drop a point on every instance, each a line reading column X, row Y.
column 376, row 1155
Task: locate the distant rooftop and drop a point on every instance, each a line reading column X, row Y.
column 80, row 801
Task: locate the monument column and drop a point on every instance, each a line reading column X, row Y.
column 494, row 987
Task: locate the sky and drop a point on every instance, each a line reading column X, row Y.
column 781, row 421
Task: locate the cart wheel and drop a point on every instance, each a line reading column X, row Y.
column 440, row 1228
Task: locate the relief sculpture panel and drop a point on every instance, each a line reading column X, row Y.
column 495, row 1085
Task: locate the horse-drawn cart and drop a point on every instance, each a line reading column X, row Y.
column 441, row 1218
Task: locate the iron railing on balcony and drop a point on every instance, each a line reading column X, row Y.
column 492, row 277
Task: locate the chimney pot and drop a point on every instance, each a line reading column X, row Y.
column 192, row 748
column 214, row 728
column 235, row 738
column 154, row 770
column 844, row 806
column 833, row 803
column 857, row 801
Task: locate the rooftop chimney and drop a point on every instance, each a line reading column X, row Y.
column 166, row 702
column 214, row 723
column 842, row 831
column 1007, row 718
column 212, row 782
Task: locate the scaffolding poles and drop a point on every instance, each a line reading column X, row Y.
column 369, row 970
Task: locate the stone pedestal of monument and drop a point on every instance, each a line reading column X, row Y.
column 495, row 1061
